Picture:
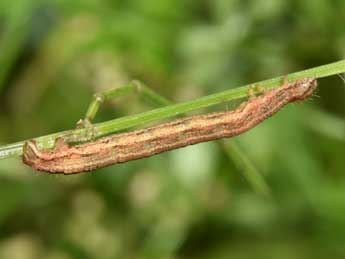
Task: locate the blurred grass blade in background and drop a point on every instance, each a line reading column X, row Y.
column 16, row 27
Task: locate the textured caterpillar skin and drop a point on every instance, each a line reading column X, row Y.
column 123, row 147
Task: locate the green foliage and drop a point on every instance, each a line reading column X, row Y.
column 192, row 202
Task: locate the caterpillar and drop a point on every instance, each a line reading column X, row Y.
column 123, row 147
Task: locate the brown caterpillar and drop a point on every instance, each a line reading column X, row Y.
column 123, row 147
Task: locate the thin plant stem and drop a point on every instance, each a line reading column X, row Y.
column 99, row 98
column 115, row 125
column 133, row 87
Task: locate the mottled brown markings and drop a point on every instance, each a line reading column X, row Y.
column 119, row 148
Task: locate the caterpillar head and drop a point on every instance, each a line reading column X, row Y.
column 303, row 88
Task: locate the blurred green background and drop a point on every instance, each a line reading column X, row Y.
column 193, row 202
